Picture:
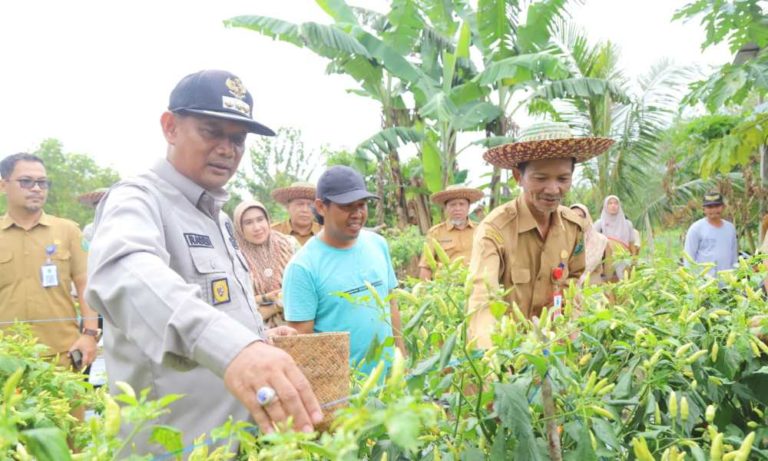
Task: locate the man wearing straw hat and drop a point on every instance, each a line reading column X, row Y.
column 455, row 234
column 91, row 200
column 166, row 273
column 532, row 246
column 297, row 199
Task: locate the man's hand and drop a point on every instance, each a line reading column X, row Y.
column 282, row 330
column 88, row 346
column 260, row 365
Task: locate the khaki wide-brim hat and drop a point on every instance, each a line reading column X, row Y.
column 546, row 140
column 92, row 198
column 456, row 191
column 296, row 190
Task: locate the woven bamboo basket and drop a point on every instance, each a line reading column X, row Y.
column 324, row 360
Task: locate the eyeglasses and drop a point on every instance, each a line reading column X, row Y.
column 27, row 183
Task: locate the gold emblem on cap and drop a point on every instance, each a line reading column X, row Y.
column 236, row 87
column 563, row 254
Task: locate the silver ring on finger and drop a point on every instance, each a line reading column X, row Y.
column 266, row 395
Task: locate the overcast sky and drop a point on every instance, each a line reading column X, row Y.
column 96, row 74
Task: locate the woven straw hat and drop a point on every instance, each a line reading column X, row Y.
column 92, row 198
column 546, row 140
column 296, row 190
column 457, row 191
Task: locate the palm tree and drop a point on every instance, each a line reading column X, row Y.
column 634, row 113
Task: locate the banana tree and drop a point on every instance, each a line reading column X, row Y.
column 376, row 64
column 499, row 35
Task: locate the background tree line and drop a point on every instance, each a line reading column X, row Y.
column 71, row 175
column 439, row 69
column 453, row 77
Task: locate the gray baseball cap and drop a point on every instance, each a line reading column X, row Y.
column 342, row 185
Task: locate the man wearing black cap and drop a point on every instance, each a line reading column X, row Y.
column 167, row 276
column 712, row 239
column 326, row 284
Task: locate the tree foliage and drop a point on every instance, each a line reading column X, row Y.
column 274, row 162
column 71, row 174
column 736, row 86
column 739, row 22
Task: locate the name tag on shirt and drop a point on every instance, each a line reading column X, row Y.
column 49, row 275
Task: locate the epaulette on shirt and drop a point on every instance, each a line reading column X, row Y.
column 497, row 219
column 572, row 216
column 435, row 227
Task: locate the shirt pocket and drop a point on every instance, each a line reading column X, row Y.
column 7, row 274
column 63, row 261
column 448, row 246
column 206, row 274
column 520, row 276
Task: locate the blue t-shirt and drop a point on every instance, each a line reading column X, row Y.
column 318, row 273
column 706, row 243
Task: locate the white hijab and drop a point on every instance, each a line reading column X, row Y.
column 615, row 226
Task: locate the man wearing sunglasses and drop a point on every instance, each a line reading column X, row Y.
column 41, row 256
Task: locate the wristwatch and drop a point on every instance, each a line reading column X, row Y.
column 91, row 332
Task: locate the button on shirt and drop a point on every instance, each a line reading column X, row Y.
column 166, row 274
column 456, row 242
column 22, row 295
column 285, row 227
column 509, row 252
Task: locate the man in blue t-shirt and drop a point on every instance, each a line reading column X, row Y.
column 325, row 286
column 713, row 239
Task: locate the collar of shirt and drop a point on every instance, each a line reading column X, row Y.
column 525, row 219
column 449, row 225
column 207, row 201
column 7, row 221
column 313, row 229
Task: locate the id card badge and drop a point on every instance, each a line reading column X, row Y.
column 557, row 304
column 49, row 275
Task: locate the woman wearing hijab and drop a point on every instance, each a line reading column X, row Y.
column 615, row 225
column 267, row 252
column 598, row 252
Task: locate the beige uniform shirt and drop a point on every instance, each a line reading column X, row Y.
column 285, row 228
column 22, row 295
column 456, row 242
column 167, row 275
column 509, row 252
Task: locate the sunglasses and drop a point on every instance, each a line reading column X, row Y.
column 27, row 183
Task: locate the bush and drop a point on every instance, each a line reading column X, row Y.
column 660, row 365
column 405, row 248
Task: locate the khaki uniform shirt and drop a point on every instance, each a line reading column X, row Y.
column 456, row 242
column 22, row 295
column 285, row 227
column 508, row 252
column 167, row 275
